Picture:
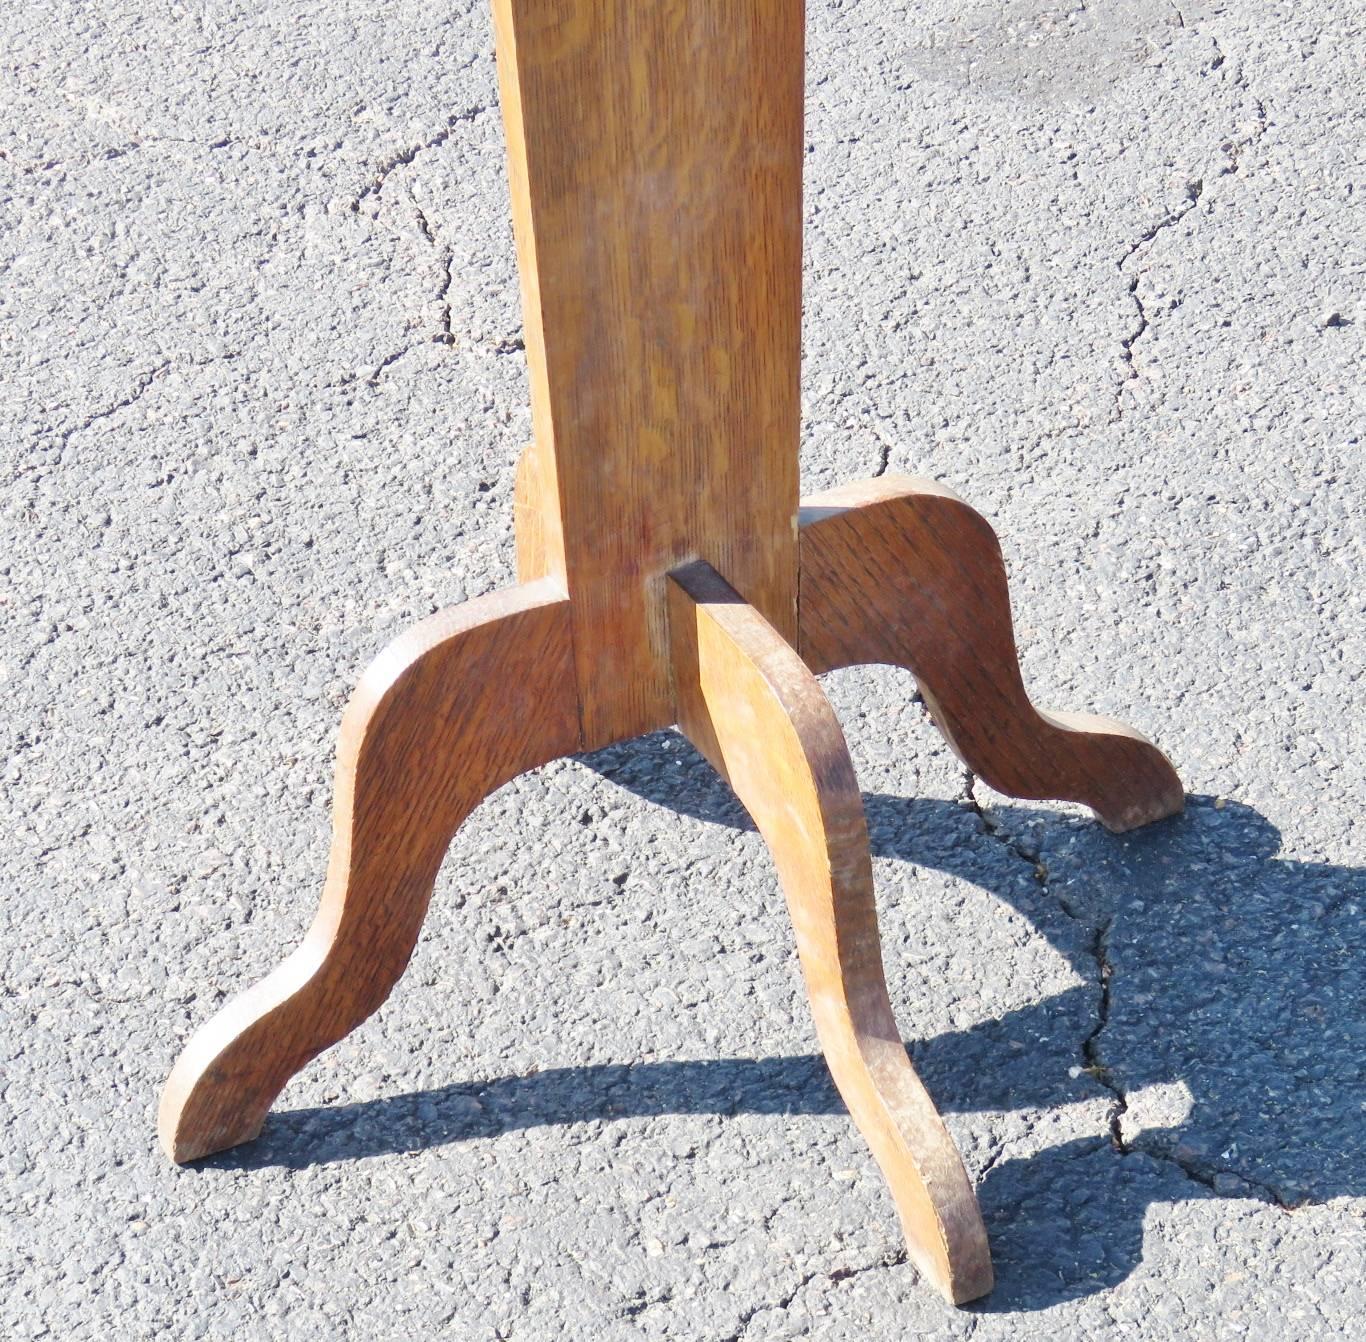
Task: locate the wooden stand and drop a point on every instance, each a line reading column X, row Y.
column 666, row 574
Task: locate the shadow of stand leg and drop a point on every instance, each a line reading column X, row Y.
column 451, row 710
column 754, row 710
column 902, row 571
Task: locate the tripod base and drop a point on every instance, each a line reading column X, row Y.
column 892, row 570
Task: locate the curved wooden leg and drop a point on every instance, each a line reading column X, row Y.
column 901, row 570
column 452, row 709
column 751, row 707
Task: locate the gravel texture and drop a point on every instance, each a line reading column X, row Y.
column 1100, row 268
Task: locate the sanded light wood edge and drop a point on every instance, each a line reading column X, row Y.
column 748, row 703
column 901, row 570
column 455, row 707
column 534, row 486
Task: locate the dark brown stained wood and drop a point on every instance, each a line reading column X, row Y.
column 901, row 570
column 656, row 158
column 748, row 703
column 454, row 708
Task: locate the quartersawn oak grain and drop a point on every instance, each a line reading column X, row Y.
column 452, row 709
column 750, row 705
column 656, row 164
column 900, row 570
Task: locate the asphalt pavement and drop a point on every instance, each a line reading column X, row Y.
column 1097, row 266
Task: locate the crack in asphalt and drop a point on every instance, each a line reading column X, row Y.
column 140, row 389
column 991, row 826
column 444, row 336
column 401, row 160
column 1096, row 1067
column 31, row 167
column 1195, row 190
column 784, row 1302
column 388, row 361
column 1094, row 1064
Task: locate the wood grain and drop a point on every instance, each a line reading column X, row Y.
column 533, row 511
column 655, row 165
column 454, row 708
column 901, row 570
column 754, row 710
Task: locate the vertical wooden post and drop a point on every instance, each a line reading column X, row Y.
column 656, row 158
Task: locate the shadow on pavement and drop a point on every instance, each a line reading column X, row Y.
column 1227, row 970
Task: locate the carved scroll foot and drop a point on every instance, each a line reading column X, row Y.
column 901, row 570
column 452, row 709
column 748, row 703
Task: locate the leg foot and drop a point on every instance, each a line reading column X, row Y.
column 754, row 710
column 902, row 571
column 454, row 708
